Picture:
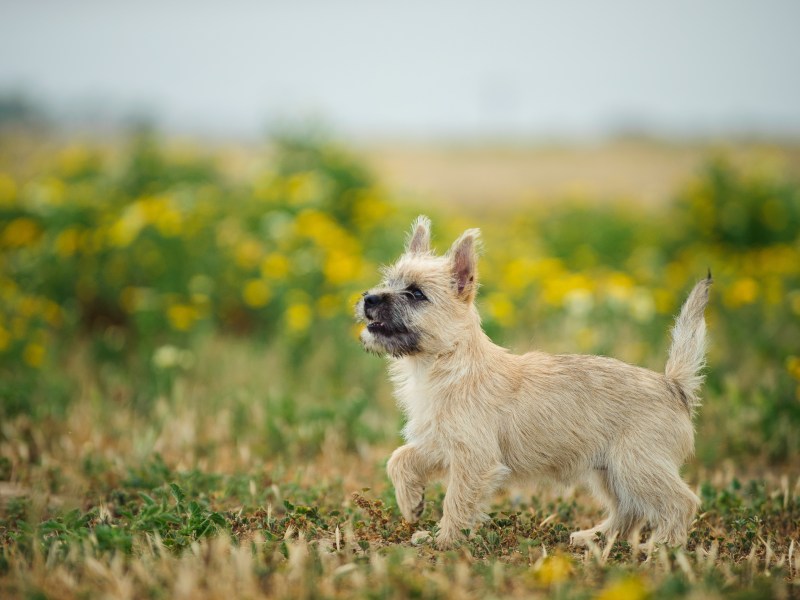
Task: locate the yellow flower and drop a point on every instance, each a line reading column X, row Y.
column 340, row 267
column 298, row 317
column 664, row 301
column 619, row 287
column 304, row 188
column 182, row 316
column 33, row 355
column 371, row 208
column 138, row 298
column 74, row 159
column 275, row 266
column 744, row 291
column 248, row 254
column 556, row 289
column 554, row 569
column 630, row 588
column 256, row 293
column 66, row 244
column 793, row 366
column 8, row 190
column 20, row 232
column 500, row 308
column 127, row 227
column 52, row 313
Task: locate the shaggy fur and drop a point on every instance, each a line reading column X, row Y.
column 480, row 415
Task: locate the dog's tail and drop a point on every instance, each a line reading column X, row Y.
column 687, row 354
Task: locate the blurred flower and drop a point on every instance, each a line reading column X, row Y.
column 500, row 308
column 743, row 291
column 74, row 159
column 8, row 190
column 127, row 227
column 557, row 288
column 579, row 302
column 20, row 232
column 340, row 267
column 793, row 366
column 168, row 357
column 256, row 293
column 619, row 287
column 298, row 317
column 629, row 588
column 554, row 569
column 182, row 316
column 642, row 305
column 305, row 188
column 5, row 338
column 275, row 266
column 248, row 254
column 67, row 242
column 371, row 208
column 33, row 355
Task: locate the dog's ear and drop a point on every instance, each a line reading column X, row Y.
column 464, row 264
column 419, row 241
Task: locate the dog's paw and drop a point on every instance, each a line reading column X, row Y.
column 583, row 538
column 447, row 542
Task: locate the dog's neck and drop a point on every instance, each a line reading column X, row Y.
column 470, row 348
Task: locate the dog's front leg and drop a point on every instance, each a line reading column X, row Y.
column 409, row 471
column 473, row 478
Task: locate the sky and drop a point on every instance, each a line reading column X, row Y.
column 414, row 69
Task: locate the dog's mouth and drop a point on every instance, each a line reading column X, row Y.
column 381, row 328
column 392, row 338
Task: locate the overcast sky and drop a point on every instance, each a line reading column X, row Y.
column 414, row 69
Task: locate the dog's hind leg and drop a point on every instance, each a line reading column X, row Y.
column 650, row 489
column 618, row 520
column 675, row 513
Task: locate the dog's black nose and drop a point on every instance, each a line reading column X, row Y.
column 372, row 300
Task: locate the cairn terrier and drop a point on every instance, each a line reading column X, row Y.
column 482, row 416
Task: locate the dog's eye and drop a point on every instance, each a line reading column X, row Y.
column 415, row 292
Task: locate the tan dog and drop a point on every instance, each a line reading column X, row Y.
column 481, row 415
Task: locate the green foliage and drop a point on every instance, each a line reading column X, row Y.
column 740, row 210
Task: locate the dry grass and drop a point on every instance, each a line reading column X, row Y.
column 508, row 176
column 190, row 499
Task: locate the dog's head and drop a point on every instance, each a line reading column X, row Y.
column 425, row 302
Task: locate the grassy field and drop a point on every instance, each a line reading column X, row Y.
column 186, row 411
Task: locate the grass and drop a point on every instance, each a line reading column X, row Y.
column 220, row 489
column 185, row 411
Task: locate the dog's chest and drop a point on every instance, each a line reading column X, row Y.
column 416, row 397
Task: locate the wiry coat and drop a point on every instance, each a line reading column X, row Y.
column 481, row 415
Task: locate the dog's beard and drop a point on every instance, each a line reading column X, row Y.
column 393, row 343
column 386, row 334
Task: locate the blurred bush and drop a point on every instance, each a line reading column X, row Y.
column 141, row 251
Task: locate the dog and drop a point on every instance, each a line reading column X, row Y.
column 481, row 416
